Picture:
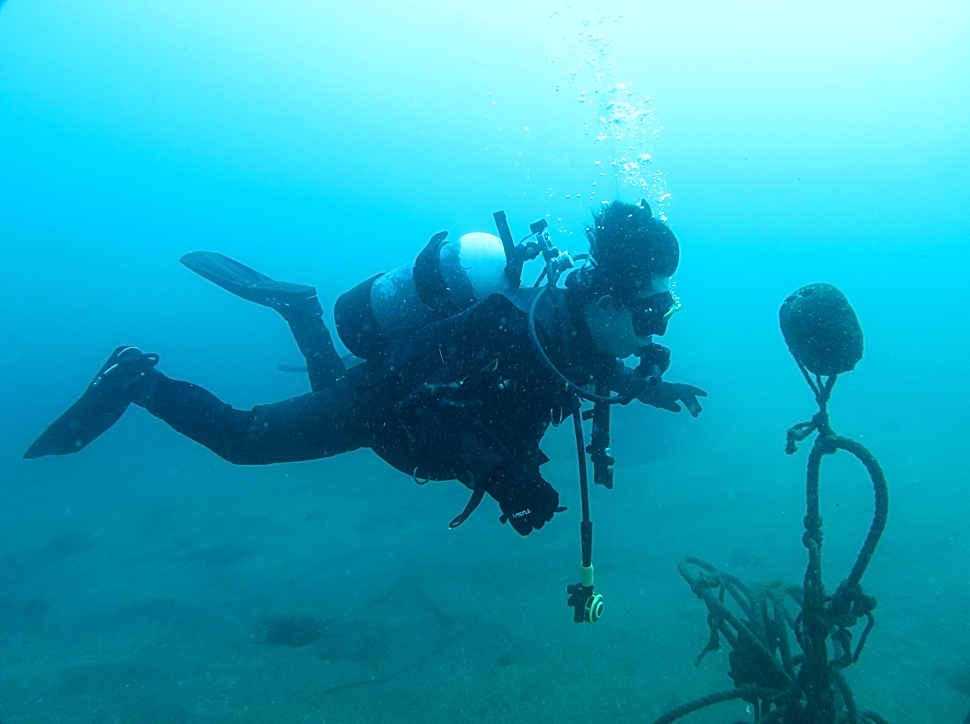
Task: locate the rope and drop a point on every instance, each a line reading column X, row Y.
column 785, row 687
column 748, row 693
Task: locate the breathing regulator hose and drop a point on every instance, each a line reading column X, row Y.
column 587, row 605
column 570, row 385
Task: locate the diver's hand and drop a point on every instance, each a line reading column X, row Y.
column 668, row 395
column 530, row 507
column 527, row 502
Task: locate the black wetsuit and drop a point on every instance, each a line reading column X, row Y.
column 466, row 398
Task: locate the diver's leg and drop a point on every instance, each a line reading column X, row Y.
column 296, row 303
column 304, row 428
column 316, row 425
column 323, row 365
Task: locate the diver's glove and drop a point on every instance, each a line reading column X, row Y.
column 668, row 395
column 527, row 501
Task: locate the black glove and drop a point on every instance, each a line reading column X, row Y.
column 527, row 501
column 667, row 395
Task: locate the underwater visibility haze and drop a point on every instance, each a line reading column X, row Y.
column 146, row 579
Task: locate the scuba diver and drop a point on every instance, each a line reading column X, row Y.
column 457, row 370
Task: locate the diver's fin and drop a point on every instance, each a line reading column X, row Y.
column 102, row 404
column 249, row 284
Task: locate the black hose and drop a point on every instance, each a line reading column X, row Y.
column 572, row 386
column 586, row 526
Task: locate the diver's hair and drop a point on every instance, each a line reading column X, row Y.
column 628, row 246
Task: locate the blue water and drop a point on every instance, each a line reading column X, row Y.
column 322, row 143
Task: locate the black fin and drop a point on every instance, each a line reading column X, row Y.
column 83, row 422
column 102, row 404
column 248, row 283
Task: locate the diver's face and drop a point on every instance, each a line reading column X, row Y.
column 611, row 325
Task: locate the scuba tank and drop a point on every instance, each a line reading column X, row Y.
column 447, row 277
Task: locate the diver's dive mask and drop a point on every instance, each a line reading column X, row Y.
column 652, row 309
column 651, row 314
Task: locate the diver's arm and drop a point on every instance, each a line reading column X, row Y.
column 625, row 382
column 652, row 390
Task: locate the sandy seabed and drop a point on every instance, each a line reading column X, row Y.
column 137, row 586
